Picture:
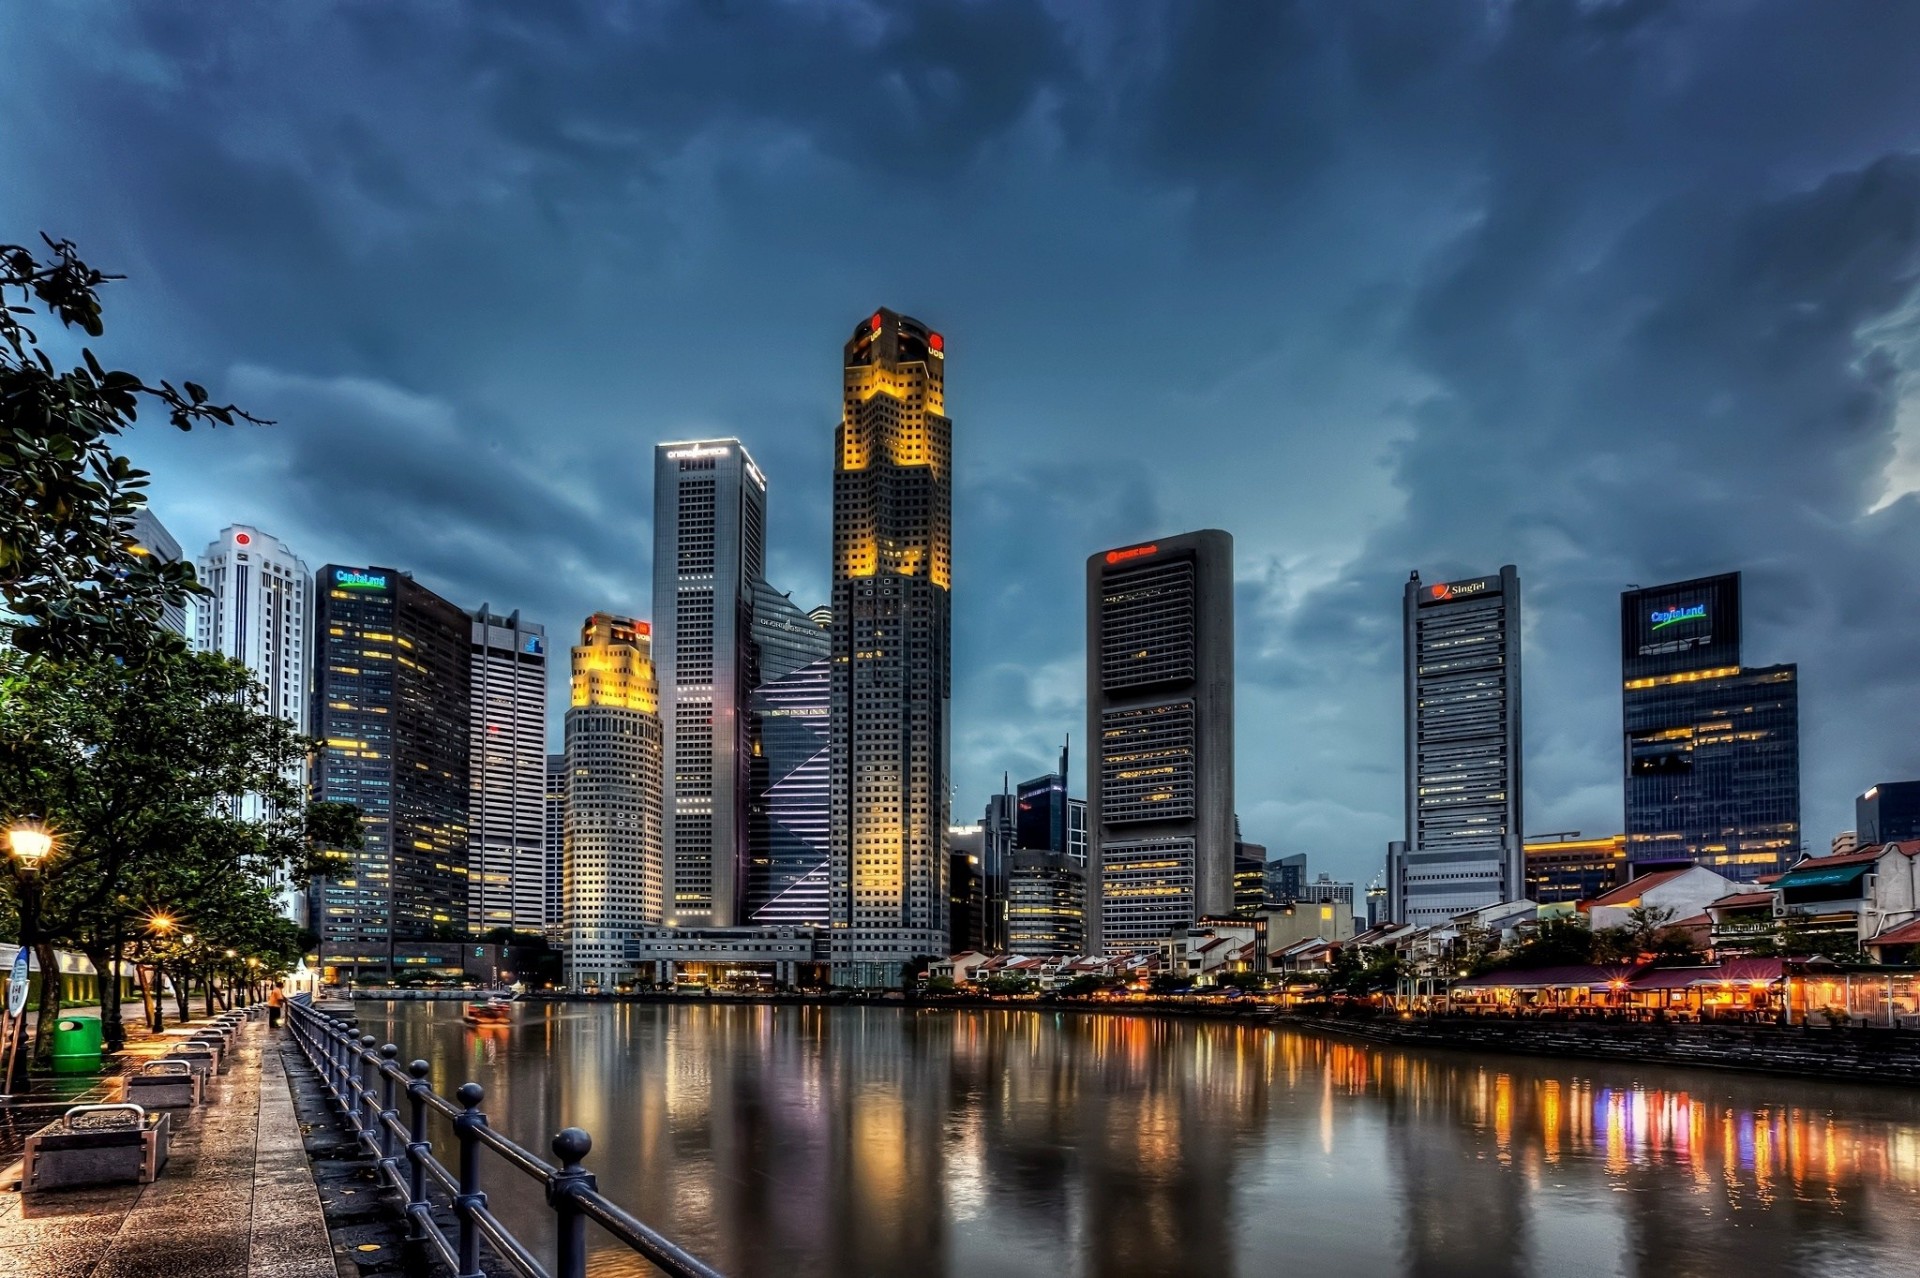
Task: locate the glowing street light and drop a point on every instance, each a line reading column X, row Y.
column 31, row 843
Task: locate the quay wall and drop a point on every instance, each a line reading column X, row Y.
column 1857, row 1054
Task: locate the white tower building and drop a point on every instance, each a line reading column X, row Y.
column 507, row 813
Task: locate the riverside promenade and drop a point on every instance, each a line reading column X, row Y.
column 236, row 1199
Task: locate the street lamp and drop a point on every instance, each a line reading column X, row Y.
column 31, row 843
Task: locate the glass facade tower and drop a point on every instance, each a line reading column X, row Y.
column 1463, row 846
column 787, row 811
column 1160, row 717
column 1712, row 747
column 391, row 699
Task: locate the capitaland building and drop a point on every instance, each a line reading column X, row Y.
column 507, row 743
column 709, row 546
column 391, row 703
column 613, row 871
column 1462, row 848
column 891, row 658
column 1712, row 747
column 258, row 609
column 1160, row 715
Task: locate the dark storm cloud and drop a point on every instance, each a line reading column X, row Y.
column 1614, row 291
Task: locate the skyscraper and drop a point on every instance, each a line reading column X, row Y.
column 787, row 810
column 709, row 536
column 1046, row 909
column 258, row 609
column 555, row 906
column 1712, row 748
column 892, row 573
column 1887, row 813
column 507, row 829
column 150, row 537
column 1463, row 846
column 613, row 861
column 391, row 695
column 1160, row 717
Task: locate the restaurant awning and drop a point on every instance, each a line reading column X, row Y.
column 1822, row 876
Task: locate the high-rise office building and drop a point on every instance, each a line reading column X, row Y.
column 1046, row 905
column 258, row 609
column 709, row 547
column 150, row 537
column 1463, row 750
column 613, row 868
column 391, row 697
column 788, row 819
column 1249, row 877
column 1568, row 867
column 554, row 909
column 1286, row 877
column 966, row 890
column 999, row 837
column 1886, row 813
column 1712, row 747
column 1160, row 717
column 892, row 573
column 507, row 823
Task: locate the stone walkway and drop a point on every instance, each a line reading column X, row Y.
column 236, row 1199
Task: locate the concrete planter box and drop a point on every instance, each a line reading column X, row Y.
column 202, row 1060
column 96, row 1145
column 163, row 1085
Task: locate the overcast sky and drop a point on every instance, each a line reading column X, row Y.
column 1615, row 292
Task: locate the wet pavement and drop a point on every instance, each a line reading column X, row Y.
column 236, row 1199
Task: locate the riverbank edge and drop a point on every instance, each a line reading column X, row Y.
column 1855, row 1055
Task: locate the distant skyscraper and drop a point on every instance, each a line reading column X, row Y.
column 1712, row 750
column 258, row 609
column 1567, row 867
column 507, row 828
column 1287, row 877
column 999, row 837
column 788, row 819
column 613, row 860
column 966, row 890
column 1160, row 717
column 1046, row 905
column 554, row 924
column 709, row 539
column 392, row 674
column 1249, row 877
column 1463, row 750
column 1887, row 813
column 150, row 537
column 892, row 638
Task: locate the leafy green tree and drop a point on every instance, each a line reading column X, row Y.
column 1553, row 942
column 138, row 762
column 67, row 500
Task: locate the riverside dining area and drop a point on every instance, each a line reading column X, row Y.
column 1749, row 991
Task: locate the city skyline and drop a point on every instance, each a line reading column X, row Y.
column 1552, row 349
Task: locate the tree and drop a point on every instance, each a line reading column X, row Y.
column 1644, row 925
column 1553, row 942
column 138, row 763
column 67, row 501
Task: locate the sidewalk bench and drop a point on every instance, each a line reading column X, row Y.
column 164, row 1084
column 96, row 1145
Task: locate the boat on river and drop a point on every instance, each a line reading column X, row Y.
column 494, row 1011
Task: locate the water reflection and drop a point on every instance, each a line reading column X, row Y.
column 886, row 1141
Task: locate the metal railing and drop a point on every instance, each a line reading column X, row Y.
column 366, row 1083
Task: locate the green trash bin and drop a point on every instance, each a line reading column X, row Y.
column 77, row 1045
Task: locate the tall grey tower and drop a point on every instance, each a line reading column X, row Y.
column 709, row 547
column 1463, row 846
column 1160, row 719
column 507, row 777
column 891, row 660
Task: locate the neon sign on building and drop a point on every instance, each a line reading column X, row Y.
column 1664, row 617
column 353, row 580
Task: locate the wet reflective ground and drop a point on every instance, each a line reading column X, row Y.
column 887, row 1141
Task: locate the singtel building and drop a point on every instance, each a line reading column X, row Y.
column 1463, row 847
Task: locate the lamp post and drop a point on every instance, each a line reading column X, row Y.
column 30, row 844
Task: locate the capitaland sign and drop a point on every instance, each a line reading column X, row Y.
column 353, row 579
column 1449, row 591
column 1664, row 617
column 699, row 450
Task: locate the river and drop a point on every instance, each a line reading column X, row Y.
column 900, row 1143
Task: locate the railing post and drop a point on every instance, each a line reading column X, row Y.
column 388, row 1114
column 470, row 1199
column 570, row 1257
column 417, row 1150
column 365, row 1110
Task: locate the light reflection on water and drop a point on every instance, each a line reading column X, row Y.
column 955, row 1144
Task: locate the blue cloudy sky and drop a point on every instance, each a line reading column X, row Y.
column 1618, row 292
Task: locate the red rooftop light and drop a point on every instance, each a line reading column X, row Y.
column 242, row 539
column 877, row 321
column 936, row 342
column 1132, row 552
